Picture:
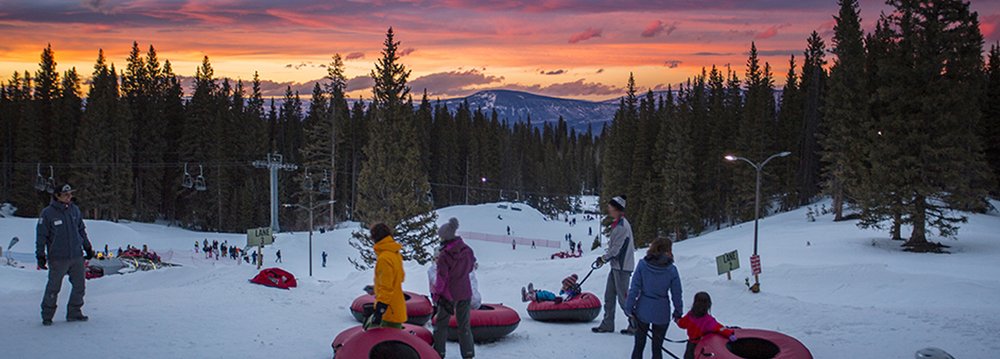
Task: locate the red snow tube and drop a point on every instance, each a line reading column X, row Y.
column 412, row 342
column 582, row 308
column 418, row 308
column 752, row 344
column 92, row 272
column 275, row 277
column 489, row 323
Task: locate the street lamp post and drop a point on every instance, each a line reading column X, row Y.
column 759, row 167
column 310, row 209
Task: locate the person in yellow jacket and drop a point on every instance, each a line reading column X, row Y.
column 390, row 305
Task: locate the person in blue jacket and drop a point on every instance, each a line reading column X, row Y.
column 655, row 284
column 59, row 247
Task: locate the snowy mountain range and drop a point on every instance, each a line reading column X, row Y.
column 518, row 106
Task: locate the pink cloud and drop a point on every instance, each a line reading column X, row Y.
column 587, row 34
column 989, row 25
column 672, row 64
column 658, row 26
column 769, row 32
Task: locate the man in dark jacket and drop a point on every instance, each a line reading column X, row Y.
column 60, row 243
column 453, row 290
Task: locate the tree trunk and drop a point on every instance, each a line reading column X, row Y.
column 897, row 222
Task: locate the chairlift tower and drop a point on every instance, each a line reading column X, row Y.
column 274, row 163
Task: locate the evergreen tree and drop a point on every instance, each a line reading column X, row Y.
column 814, row 82
column 677, row 164
column 846, row 115
column 616, row 166
column 393, row 187
column 756, row 135
column 935, row 58
column 103, row 148
column 991, row 115
column 790, row 122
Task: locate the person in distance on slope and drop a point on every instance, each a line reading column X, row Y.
column 699, row 322
column 570, row 289
column 390, row 304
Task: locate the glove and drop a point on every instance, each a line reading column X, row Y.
column 599, row 262
column 90, row 253
column 41, row 262
column 677, row 316
column 370, row 289
column 732, row 338
column 380, row 309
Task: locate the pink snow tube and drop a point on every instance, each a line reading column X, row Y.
column 418, row 308
column 752, row 344
column 488, row 323
column 582, row 308
column 413, row 342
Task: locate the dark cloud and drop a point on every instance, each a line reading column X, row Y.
column 672, row 64
column 452, row 82
column 354, row 56
column 407, row 51
column 773, row 52
column 587, row 34
column 360, row 83
column 657, row 27
column 600, row 71
column 576, row 88
column 553, row 72
column 705, row 53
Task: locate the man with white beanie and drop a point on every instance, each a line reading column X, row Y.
column 621, row 254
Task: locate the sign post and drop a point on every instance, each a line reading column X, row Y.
column 259, row 237
column 755, row 269
column 727, row 263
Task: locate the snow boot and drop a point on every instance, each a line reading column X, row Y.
column 46, row 322
column 524, row 295
column 77, row 318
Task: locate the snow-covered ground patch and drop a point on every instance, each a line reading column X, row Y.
column 842, row 291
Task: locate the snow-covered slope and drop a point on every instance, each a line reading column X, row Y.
column 844, row 292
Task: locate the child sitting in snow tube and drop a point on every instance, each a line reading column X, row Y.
column 699, row 323
column 571, row 305
column 708, row 338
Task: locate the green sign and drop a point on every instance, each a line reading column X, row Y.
column 728, row 262
column 259, row 236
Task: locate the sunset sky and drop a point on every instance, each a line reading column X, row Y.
column 566, row 48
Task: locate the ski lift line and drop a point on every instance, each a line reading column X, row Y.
column 241, row 164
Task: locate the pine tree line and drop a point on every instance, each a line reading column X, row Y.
column 126, row 150
column 902, row 129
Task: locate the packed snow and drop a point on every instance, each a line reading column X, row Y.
column 844, row 292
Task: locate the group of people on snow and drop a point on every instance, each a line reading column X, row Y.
column 645, row 292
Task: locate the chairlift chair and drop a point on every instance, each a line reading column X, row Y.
column 39, row 180
column 50, row 184
column 324, row 184
column 199, row 182
column 187, row 181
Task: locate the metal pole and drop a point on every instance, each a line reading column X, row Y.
column 756, row 219
column 274, row 195
column 310, row 234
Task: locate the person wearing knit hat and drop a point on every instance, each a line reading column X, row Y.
column 620, row 253
column 452, row 289
column 570, row 289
